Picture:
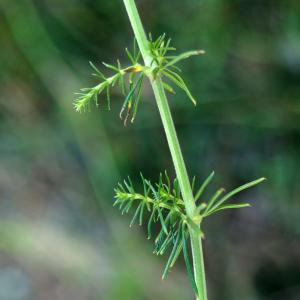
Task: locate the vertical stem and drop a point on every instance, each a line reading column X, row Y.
column 180, row 168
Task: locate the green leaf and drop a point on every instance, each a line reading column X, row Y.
column 176, row 189
column 150, row 222
column 167, row 47
column 165, row 244
column 168, row 181
column 132, row 60
column 129, row 186
column 121, row 81
column 230, row 206
column 127, row 207
column 130, row 95
column 212, row 200
column 236, row 191
column 146, row 189
column 135, row 214
column 193, row 183
column 98, row 73
column 168, row 88
column 177, row 253
column 172, row 255
column 108, row 97
column 187, row 262
column 182, row 56
column 204, row 185
column 109, row 66
column 141, row 214
column 138, row 97
column 177, row 79
column 162, row 221
column 159, row 240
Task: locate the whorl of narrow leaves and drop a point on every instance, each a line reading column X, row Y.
column 162, row 203
column 166, row 64
column 131, row 78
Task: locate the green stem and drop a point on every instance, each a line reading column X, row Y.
column 180, row 168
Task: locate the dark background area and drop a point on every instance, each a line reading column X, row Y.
column 60, row 237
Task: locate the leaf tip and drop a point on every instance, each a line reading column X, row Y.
column 201, row 51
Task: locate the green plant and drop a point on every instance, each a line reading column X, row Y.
column 178, row 210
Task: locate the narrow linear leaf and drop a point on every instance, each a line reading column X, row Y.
column 193, row 183
column 129, row 186
column 162, row 221
column 144, row 185
column 127, row 207
column 164, row 244
column 121, row 187
column 151, row 219
column 108, row 96
column 116, row 201
column 213, row 199
column 167, row 47
column 98, row 73
column 138, row 97
column 168, row 181
column 204, row 185
column 184, row 55
column 177, row 79
column 121, row 80
column 137, row 57
column 130, row 56
column 236, row 191
column 230, row 206
column 141, row 214
column 109, row 66
column 159, row 241
column 129, row 96
column 176, row 188
column 154, row 192
column 135, row 214
column 122, row 204
column 177, row 253
column 135, row 47
column 187, row 262
column 168, row 88
column 171, row 257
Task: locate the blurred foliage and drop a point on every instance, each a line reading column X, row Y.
column 59, row 236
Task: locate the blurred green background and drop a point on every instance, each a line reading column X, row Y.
column 60, row 238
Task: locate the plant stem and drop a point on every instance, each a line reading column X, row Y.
column 180, row 168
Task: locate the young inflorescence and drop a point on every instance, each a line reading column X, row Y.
column 131, row 78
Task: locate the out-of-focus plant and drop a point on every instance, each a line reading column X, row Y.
column 174, row 205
